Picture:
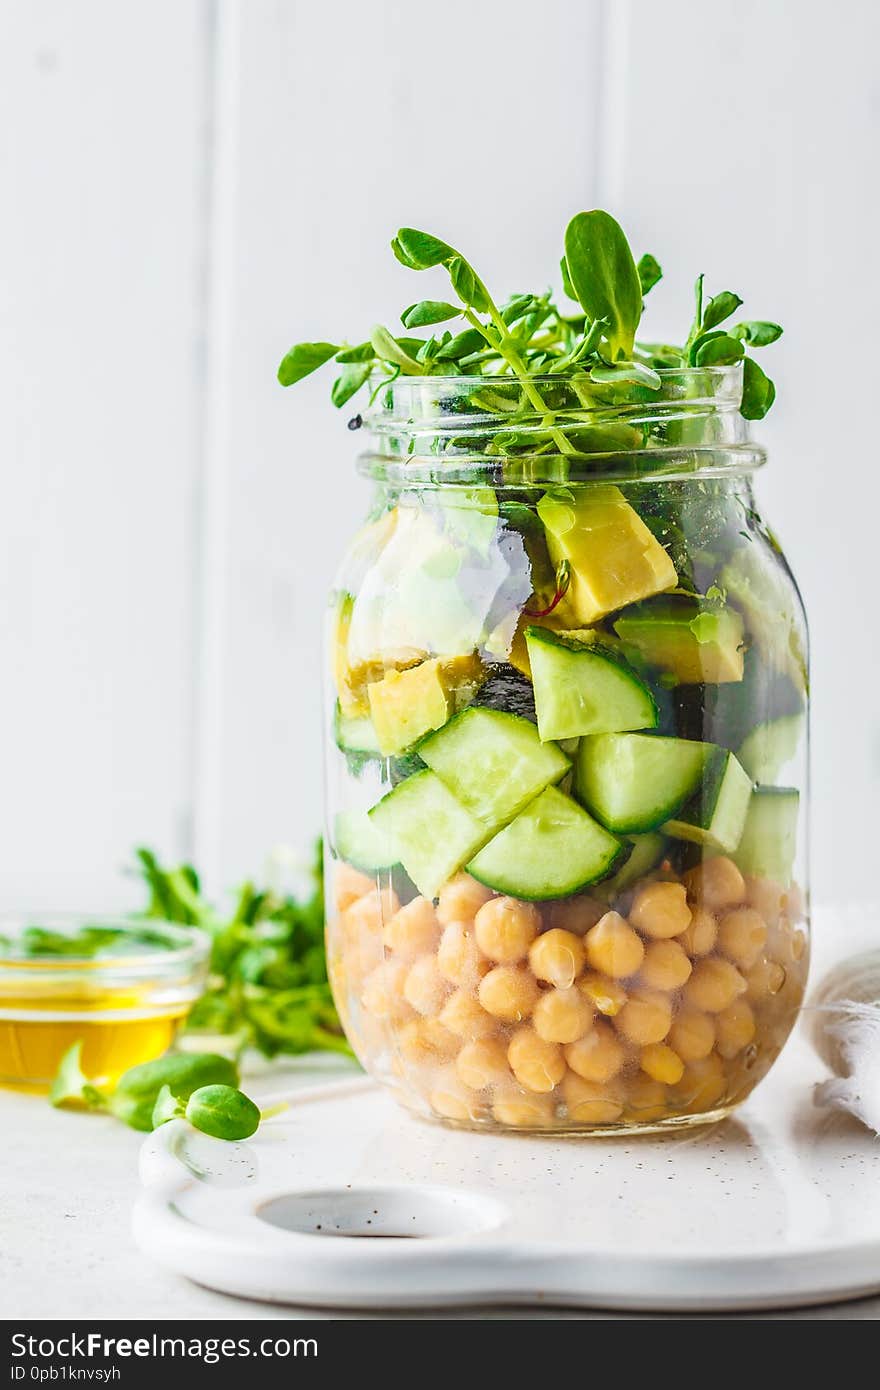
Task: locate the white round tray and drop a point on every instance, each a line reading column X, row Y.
column 775, row 1207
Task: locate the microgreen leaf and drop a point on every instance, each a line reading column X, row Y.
column 389, row 350
column 350, row 380
column 759, row 393
column 167, row 1107
column 567, row 286
column 223, row 1111
column 428, row 311
column 757, row 332
column 464, row 344
column 716, row 350
column 419, row 250
column 649, row 272
column 719, row 308
column 467, row 285
column 364, row 352
column 303, row 359
column 71, row 1087
column 604, row 276
column 622, row 372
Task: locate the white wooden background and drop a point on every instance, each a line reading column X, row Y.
column 189, row 186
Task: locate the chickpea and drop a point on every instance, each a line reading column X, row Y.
column 714, row 985
column 508, row 992
column 459, row 959
column 646, row 1099
column 483, row 1062
column 766, row 897
column 700, row 937
column 575, row 915
column 413, row 930
column 607, row 996
column 613, row 948
column 797, row 945
column 464, row 1016
column 425, row 988
column 561, row 1015
column 505, row 929
column 598, row 1055
column 536, row 1064
column 372, row 911
column 703, row 1084
column 716, row 883
column 692, row 1035
column 660, row 909
column 523, row 1110
column 449, row 1098
column 742, row 935
column 588, row 1103
column 666, row 966
column 658, row 1061
column 382, row 994
column 765, row 978
column 424, row 1040
column 461, row 899
column 349, row 884
column 736, row 1028
column 646, row 1017
column 557, row 957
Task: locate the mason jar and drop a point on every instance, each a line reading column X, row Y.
column 567, row 756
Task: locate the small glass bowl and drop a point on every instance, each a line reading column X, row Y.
column 120, row 986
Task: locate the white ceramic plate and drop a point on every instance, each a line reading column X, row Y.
column 776, row 1207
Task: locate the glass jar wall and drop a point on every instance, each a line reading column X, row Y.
column 566, row 758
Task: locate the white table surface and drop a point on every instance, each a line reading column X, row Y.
column 66, row 1251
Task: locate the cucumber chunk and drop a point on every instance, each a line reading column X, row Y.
column 355, row 734
column 766, row 750
column 716, row 814
column 552, row 848
column 494, row 763
column 357, row 841
column 769, row 840
column 427, row 830
column 636, row 782
column 696, row 641
column 582, row 688
column 645, row 853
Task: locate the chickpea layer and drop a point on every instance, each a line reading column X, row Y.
column 667, row 1002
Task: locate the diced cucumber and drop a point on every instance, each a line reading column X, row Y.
column 645, row 854
column 766, row 750
column 355, row 734
column 696, row 641
column 357, row 841
column 582, row 688
column 494, row 763
column 716, row 813
column 427, row 830
column 635, row 782
column 552, row 848
column 769, row 840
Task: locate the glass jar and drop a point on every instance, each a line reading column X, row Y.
column 567, row 772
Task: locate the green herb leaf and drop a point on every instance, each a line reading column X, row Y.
column 757, row 332
column 649, row 273
column 303, row 359
column 464, row 344
column 759, row 393
column 623, row 372
column 167, row 1107
column 466, row 284
column 567, row 286
column 350, row 380
column 604, row 276
column 138, row 1089
column 419, row 250
column 719, row 308
column 428, row 311
column 716, row 350
column 388, row 349
column 362, row 353
column 223, row 1111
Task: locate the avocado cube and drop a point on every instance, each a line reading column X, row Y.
column 614, row 559
column 698, row 643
